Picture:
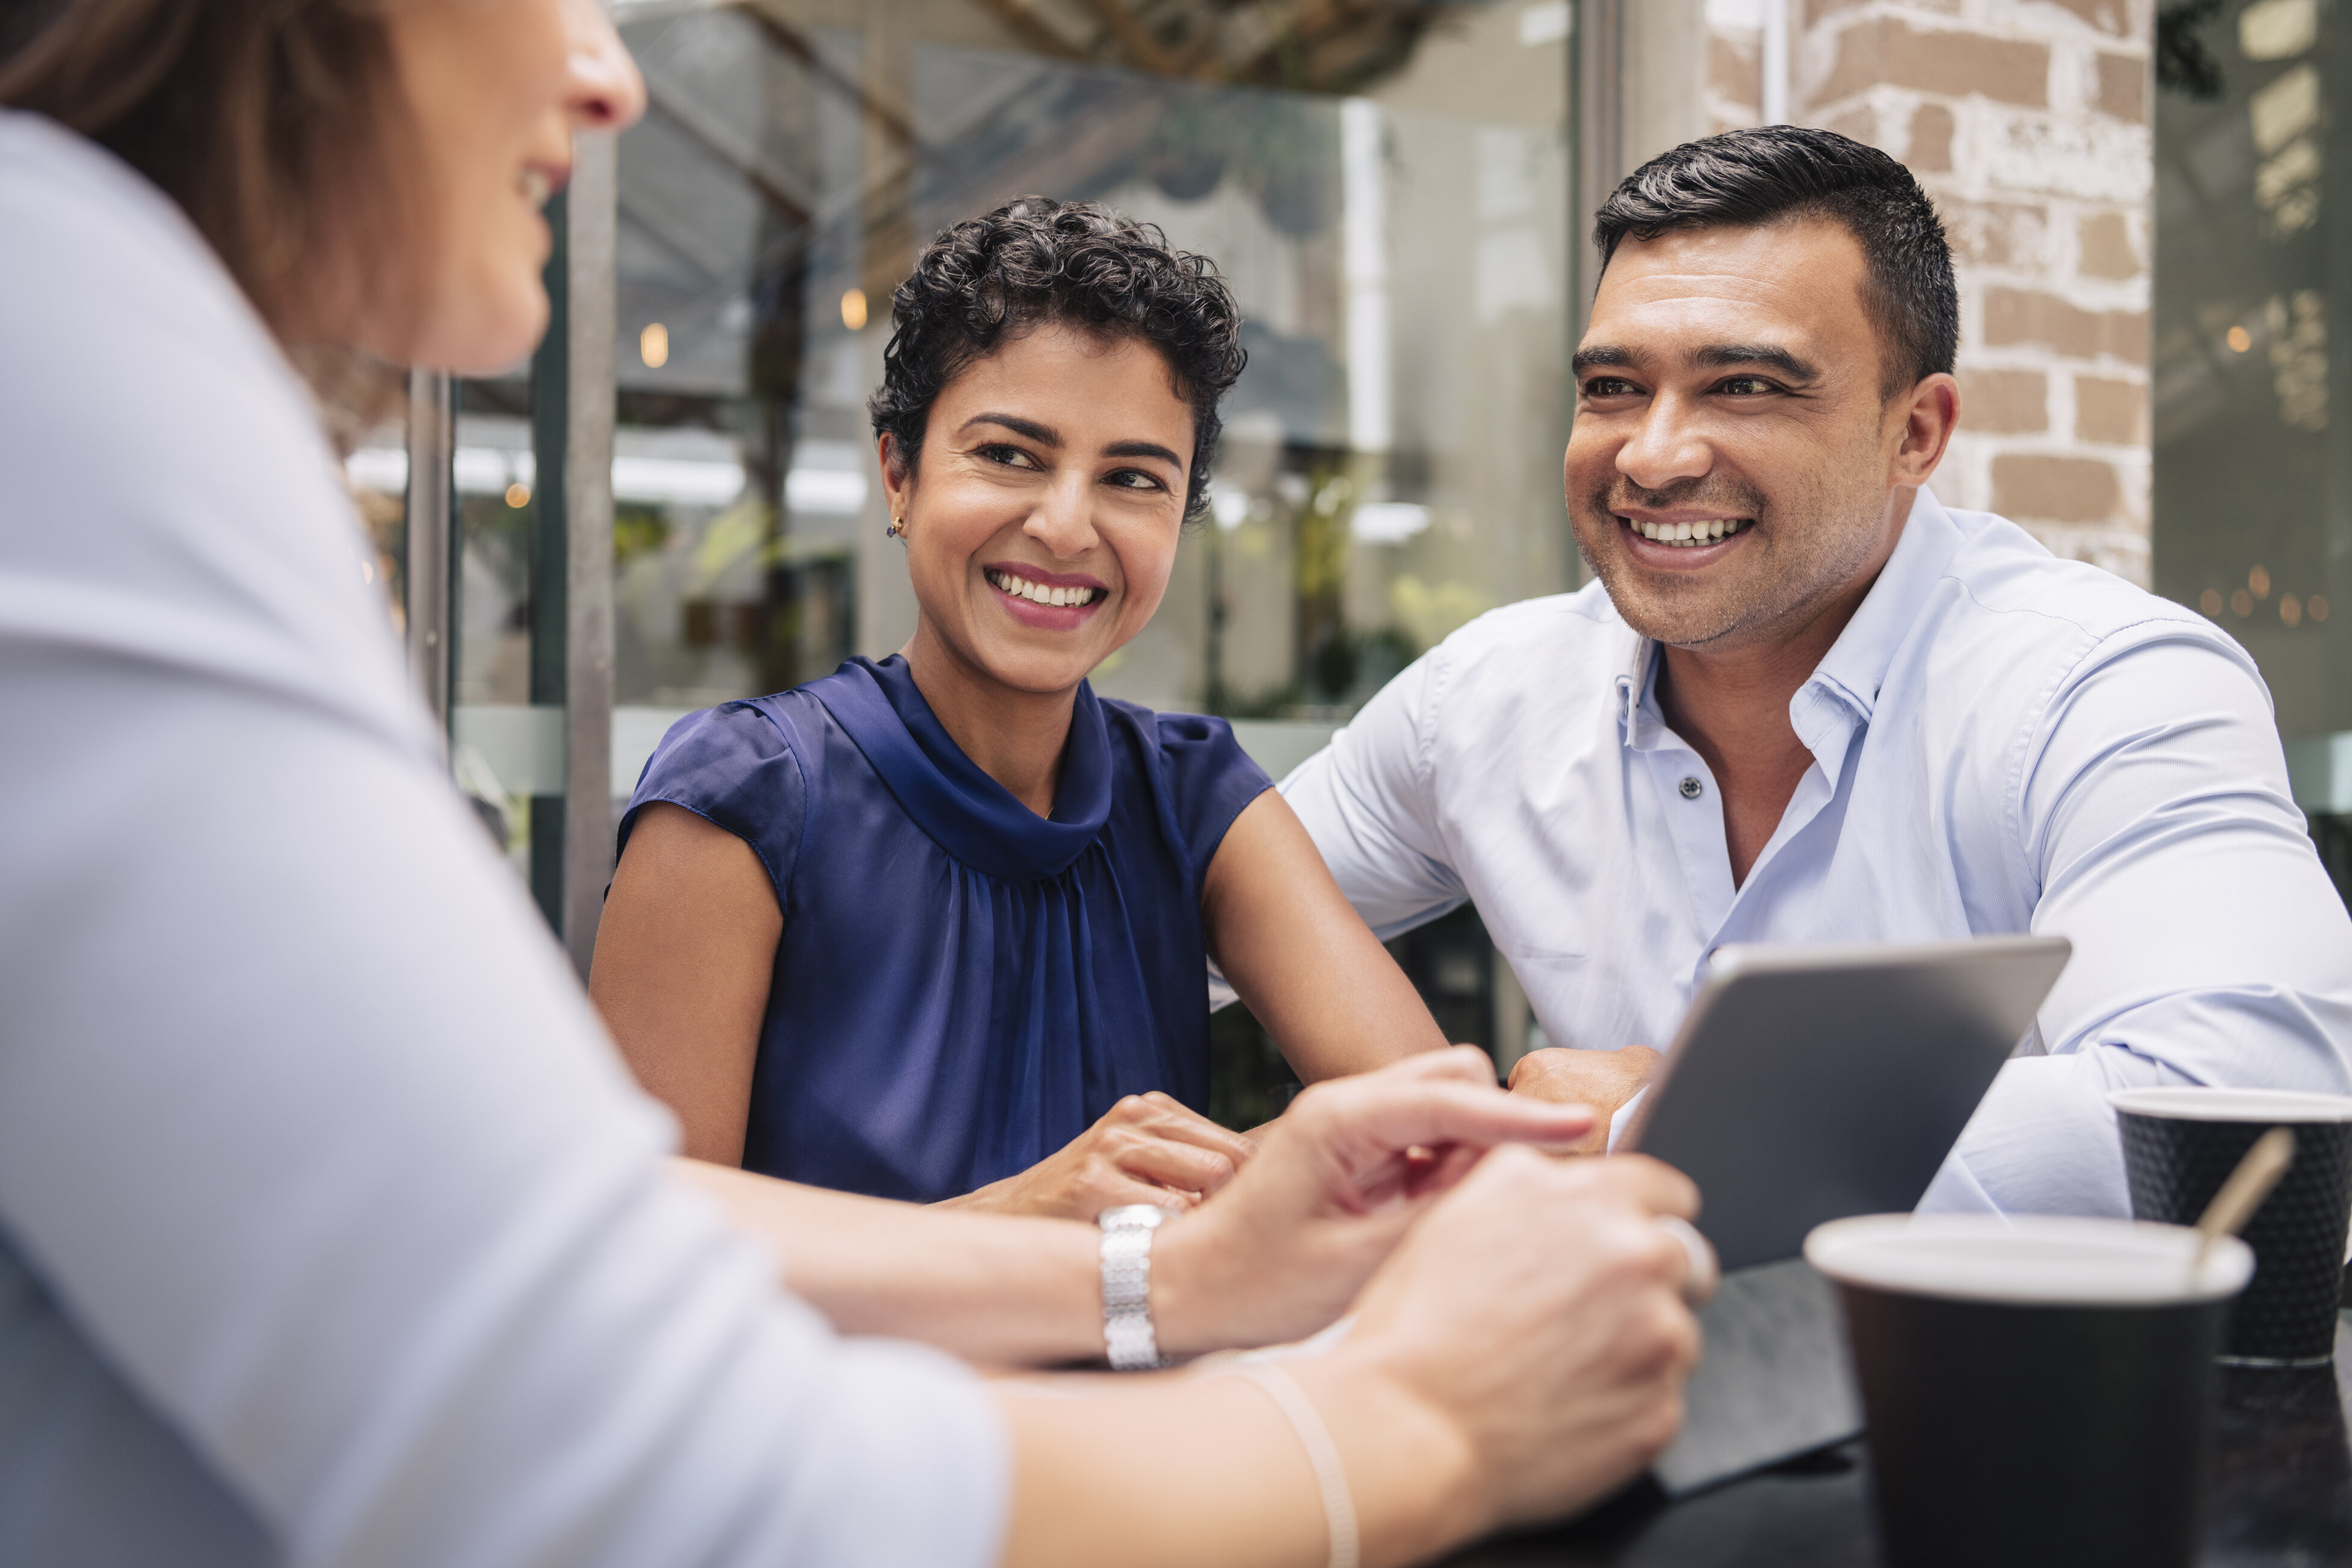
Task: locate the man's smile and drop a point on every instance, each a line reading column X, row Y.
column 1681, row 542
column 1687, row 532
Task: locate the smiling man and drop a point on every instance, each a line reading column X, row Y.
column 1804, row 701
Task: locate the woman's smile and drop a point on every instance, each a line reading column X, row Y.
column 1051, row 601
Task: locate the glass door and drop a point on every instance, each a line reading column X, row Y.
column 493, row 510
column 1388, row 188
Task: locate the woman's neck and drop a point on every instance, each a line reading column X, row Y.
column 1017, row 738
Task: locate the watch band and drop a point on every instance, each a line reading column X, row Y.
column 1128, row 1333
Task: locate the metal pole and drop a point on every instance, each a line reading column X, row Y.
column 1598, row 101
column 1599, row 113
column 591, row 216
column 551, row 557
column 431, row 443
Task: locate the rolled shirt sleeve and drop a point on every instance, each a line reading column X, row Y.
column 1364, row 800
column 2153, row 816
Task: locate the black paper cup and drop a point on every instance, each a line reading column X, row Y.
column 2181, row 1145
column 2039, row 1391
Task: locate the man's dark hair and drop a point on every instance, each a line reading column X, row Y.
column 1781, row 174
column 1036, row 261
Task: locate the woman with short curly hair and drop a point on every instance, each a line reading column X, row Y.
column 1028, row 881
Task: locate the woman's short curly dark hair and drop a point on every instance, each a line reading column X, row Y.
column 1033, row 261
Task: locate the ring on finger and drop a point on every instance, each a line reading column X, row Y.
column 1705, row 1273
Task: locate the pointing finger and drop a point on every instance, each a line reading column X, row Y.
column 1394, row 1115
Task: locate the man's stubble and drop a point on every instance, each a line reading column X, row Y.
column 1803, row 552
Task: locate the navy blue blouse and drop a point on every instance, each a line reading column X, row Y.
column 962, row 986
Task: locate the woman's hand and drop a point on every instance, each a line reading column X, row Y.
column 1534, row 1333
column 1349, row 1167
column 1147, row 1149
column 1276, row 1255
column 1516, row 1358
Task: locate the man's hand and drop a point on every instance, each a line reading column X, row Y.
column 1344, row 1173
column 1147, row 1149
column 1604, row 1080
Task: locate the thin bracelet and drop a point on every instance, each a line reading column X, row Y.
column 1331, row 1476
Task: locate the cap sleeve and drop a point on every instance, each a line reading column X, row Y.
column 1210, row 777
column 732, row 766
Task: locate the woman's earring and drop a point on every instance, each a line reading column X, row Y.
column 898, row 528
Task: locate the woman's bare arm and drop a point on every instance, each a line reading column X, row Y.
column 998, row 1289
column 683, row 958
column 1514, row 1362
column 1511, row 1362
column 1300, row 957
column 1081, row 1498
column 1520, row 1357
column 1277, row 1255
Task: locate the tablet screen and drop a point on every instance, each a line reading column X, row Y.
column 1811, row 1083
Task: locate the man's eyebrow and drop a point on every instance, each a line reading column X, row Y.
column 1045, row 435
column 1727, row 357
column 1143, row 449
column 1600, row 355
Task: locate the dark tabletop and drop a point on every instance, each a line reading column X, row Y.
column 2282, row 1495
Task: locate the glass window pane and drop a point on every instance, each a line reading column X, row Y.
column 1385, row 187
column 2251, row 494
column 1391, row 464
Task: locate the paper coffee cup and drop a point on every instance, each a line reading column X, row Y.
column 2039, row 1391
column 2179, row 1146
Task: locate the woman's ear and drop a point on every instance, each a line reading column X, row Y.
column 897, row 480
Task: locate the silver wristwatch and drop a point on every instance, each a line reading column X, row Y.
column 1127, row 1285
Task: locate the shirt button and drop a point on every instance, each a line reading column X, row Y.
column 1692, row 789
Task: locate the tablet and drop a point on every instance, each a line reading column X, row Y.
column 1811, row 1083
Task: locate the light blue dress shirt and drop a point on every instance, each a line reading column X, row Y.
column 2003, row 742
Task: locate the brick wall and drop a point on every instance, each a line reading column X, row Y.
column 2028, row 123
column 1735, row 62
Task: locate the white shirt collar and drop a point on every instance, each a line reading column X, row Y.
column 1851, row 673
column 1855, row 667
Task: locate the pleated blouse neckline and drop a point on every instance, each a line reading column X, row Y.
column 970, row 814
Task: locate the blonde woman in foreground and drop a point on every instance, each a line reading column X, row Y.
column 332, row 1229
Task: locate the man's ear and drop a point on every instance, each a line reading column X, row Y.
column 1929, row 410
